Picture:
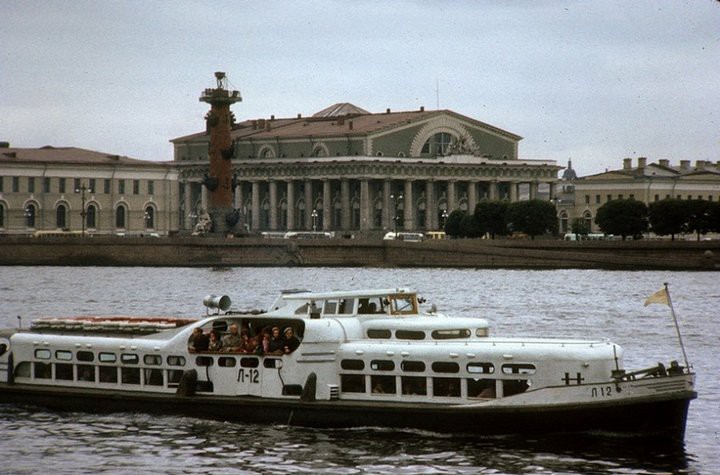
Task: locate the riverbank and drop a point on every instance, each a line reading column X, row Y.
column 208, row 251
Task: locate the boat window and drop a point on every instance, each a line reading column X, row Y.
column 409, row 335
column 86, row 372
column 402, row 304
column 174, row 376
column 511, row 387
column 482, row 332
column 23, row 369
column 451, row 334
column 330, row 307
column 227, row 361
column 382, row 365
column 383, row 384
column 413, row 366
column 204, row 361
column 414, row 385
column 153, row 377
column 346, row 306
column 107, row 357
column 354, row 365
column 518, row 368
column 378, row 333
column 63, row 355
column 352, row 383
column 370, row 305
column 129, row 358
column 480, row 368
column 85, row 356
column 43, row 370
column 302, row 309
column 272, row 363
column 249, row 362
column 130, row 375
column 108, row 374
column 64, row 371
column 448, row 387
column 42, row 354
column 445, row 367
column 176, row 360
column 481, row 388
column 152, row 360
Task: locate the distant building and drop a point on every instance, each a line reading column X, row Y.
column 44, row 189
column 349, row 170
column 648, row 182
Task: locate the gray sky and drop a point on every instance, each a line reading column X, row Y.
column 589, row 81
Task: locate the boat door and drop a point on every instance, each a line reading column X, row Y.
column 250, row 376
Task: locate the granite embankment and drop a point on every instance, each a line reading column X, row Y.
column 206, row 251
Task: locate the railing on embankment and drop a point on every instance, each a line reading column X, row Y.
column 208, row 251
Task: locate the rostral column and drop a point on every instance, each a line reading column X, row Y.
column 219, row 181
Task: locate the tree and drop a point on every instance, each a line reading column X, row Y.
column 491, row 218
column 623, row 218
column 533, row 217
column 668, row 216
column 470, row 227
column 700, row 216
column 453, row 223
column 580, row 227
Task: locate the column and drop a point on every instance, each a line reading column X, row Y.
column 255, row 225
column 408, row 207
column 364, row 204
column 204, row 198
column 387, row 205
column 290, row 205
column 273, row 205
column 187, row 204
column 327, row 206
column 309, row 205
column 452, row 196
column 493, row 190
column 472, row 196
column 345, row 203
column 430, row 206
column 513, row 191
column 533, row 190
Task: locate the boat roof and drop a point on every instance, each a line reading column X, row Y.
column 309, row 295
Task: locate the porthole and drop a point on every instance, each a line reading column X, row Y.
column 85, row 356
column 353, row 365
column 152, row 360
column 42, row 354
column 129, row 358
column 378, row 333
column 382, row 365
column 480, row 368
column 63, row 355
column 451, row 334
column 410, row 335
column 518, row 368
column 413, row 366
column 445, row 367
column 107, row 357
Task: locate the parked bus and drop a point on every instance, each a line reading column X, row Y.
column 409, row 237
column 309, row 235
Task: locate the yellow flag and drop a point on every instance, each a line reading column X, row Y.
column 660, row 296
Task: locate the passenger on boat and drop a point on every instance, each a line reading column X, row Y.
column 250, row 344
column 216, row 343
column 232, row 341
column 263, row 347
column 277, row 342
column 199, row 341
column 291, row 341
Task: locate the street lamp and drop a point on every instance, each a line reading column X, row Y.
column 29, row 217
column 395, row 199
column 314, row 216
column 83, row 213
column 444, row 217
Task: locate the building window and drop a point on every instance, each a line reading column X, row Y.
column 15, row 184
column 2, row 215
column 61, row 216
column 632, row 196
column 91, row 216
column 609, row 197
column 587, row 199
column 149, row 217
column 92, row 185
column 31, row 184
column 76, row 184
column 437, row 145
column 120, row 217
column 620, row 196
column 657, row 197
column 136, row 187
column 107, row 187
column 30, row 212
column 151, row 187
column 61, row 185
column 121, row 187
column 2, row 186
column 46, row 185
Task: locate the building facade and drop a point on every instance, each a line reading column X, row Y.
column 71, row 189
column 580, row 198
column 345, row 169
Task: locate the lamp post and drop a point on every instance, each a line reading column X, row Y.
column 314, row 216
column 396, row 199
column 28, row 214
column 83, row 213
column 444, row 218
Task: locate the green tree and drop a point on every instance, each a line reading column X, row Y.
column 533, row 217
column 580, row 227
column 453, row 223
column 491, row 218
column 623, row 218
column 668, row 217
column 470, row 227
column 700, row 216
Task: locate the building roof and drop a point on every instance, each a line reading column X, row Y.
column 70, row 156
column 660, row 170
column 330, row 122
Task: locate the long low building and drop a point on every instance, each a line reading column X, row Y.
column 345, row 169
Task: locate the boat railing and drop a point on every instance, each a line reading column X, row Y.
column 658, row 371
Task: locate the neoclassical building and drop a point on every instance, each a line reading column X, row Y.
column 648, row 182
column 348, row 170
column 73, row 189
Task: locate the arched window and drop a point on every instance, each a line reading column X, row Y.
column 149, row 217
column 91, row 216
column 320, row 150
column 437, row 145
column 120, row 217
column 563, row 222
column 61, row 216
column 30, row 213
column 2, row 215
column 587, row 216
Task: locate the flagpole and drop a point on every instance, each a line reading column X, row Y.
column 677, row 327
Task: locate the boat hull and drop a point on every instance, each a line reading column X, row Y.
column 661, row 417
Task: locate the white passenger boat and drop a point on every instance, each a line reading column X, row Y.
column 362, row 358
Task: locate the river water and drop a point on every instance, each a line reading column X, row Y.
column 580, row 303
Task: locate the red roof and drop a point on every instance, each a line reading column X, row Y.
column 69, row 155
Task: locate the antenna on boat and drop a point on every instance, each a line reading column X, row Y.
column 19, row 321
column 662, row 296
